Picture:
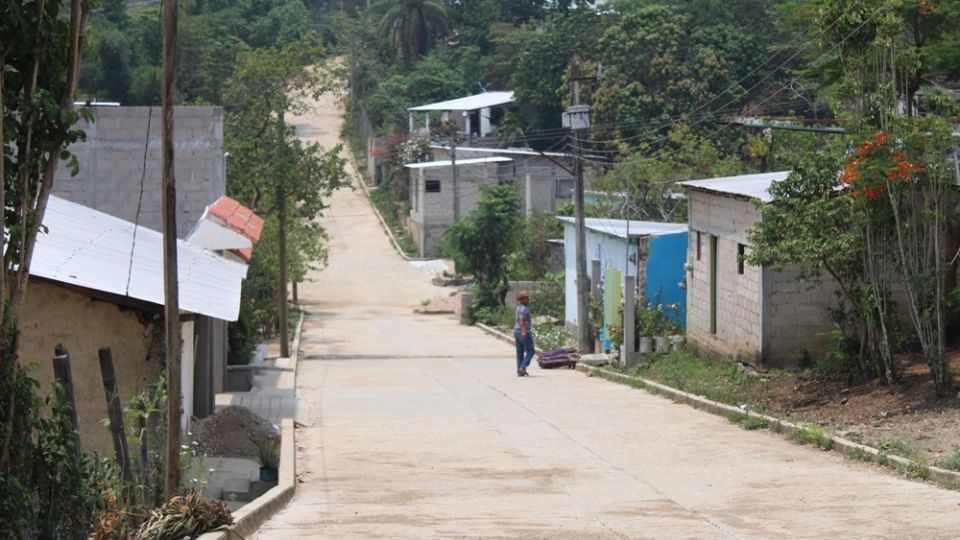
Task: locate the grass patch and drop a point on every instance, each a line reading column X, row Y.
column 754, row 422
column 812, row 435
column 859, row 454
column 918, row 470
column 683, row 370
column 387, row 206
column 950, row 462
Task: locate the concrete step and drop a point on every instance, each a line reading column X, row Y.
column 259, row 487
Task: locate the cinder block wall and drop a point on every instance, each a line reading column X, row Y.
column 739, row 307
column 763, row 316
column 795, row 318
column 112, row 163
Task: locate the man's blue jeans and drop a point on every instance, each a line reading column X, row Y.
column 524, row 349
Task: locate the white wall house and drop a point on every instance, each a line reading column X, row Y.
column 476, row 116
column 735, row 310
column 616, row 248
column 431, row 196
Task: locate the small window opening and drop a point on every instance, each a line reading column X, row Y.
column 432, row 186
column 699, row 249
column 741, row 251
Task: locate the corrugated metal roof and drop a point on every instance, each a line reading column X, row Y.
column 90, row 249
column 505, row 151
column 753, row 186
column 469, row 103
column 448, row 163
column 618, row 227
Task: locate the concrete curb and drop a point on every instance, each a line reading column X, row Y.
column 825, row 441
column 249, row 518
column 500, row 335
column 295, row 347
column 383, row 223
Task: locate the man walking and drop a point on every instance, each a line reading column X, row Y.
column 523, row 333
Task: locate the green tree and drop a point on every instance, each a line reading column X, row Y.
column 532, row 258
column 407, row 25
column 652, row 173
column 657, row 68
column 47, row 487
column 481, row 243
column 274, row 172
column 533, row 62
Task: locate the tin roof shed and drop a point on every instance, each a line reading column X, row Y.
column 90, row 249
column 469, row 103
column 751, row 186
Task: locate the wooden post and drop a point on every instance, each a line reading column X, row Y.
column 61, row 371
column 115, row 414
column 170, row 283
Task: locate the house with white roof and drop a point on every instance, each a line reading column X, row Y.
column 756, row 315
column 432, row 196
column 652, row 252
column 476, row 116
column 97, row 281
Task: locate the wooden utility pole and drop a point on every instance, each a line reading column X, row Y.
column 583, row 284
column 282, row 308
column 170, row 285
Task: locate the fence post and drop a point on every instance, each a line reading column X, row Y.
column 115, row 414
column 63, row 375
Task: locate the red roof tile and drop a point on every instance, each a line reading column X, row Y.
column 233, row 215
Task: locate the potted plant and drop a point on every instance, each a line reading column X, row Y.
column 644, row 321
column 661, row 323
column 269, row 458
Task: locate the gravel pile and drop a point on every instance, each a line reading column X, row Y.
column 233, row 432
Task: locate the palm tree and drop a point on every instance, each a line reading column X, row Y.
column 404, row 23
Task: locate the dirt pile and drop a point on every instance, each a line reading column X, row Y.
column 233, row 432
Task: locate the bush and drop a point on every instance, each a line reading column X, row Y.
column 549, row 300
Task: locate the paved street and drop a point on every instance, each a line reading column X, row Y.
column 417, row 427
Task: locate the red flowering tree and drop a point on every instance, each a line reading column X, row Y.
column 901, row 185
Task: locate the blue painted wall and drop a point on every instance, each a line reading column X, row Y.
column 665, row 272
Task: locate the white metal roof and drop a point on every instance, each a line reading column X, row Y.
column 505, row 151
column 753, row 186
column 469, row 103
column 90, row 249
column 618, row 227
column 448, row 163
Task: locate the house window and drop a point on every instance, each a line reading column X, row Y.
column 741, row 250
column 431, row 186
column 699, row 249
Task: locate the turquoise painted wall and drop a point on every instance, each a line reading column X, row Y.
column 665, row 272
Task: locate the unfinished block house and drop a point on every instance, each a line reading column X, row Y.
column 752, row 314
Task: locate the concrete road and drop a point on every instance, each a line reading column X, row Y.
column 417, row 427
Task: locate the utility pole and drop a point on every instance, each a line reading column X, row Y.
column 170, row 284
column 447, row 134
column 577, row 118
column 282, row 307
